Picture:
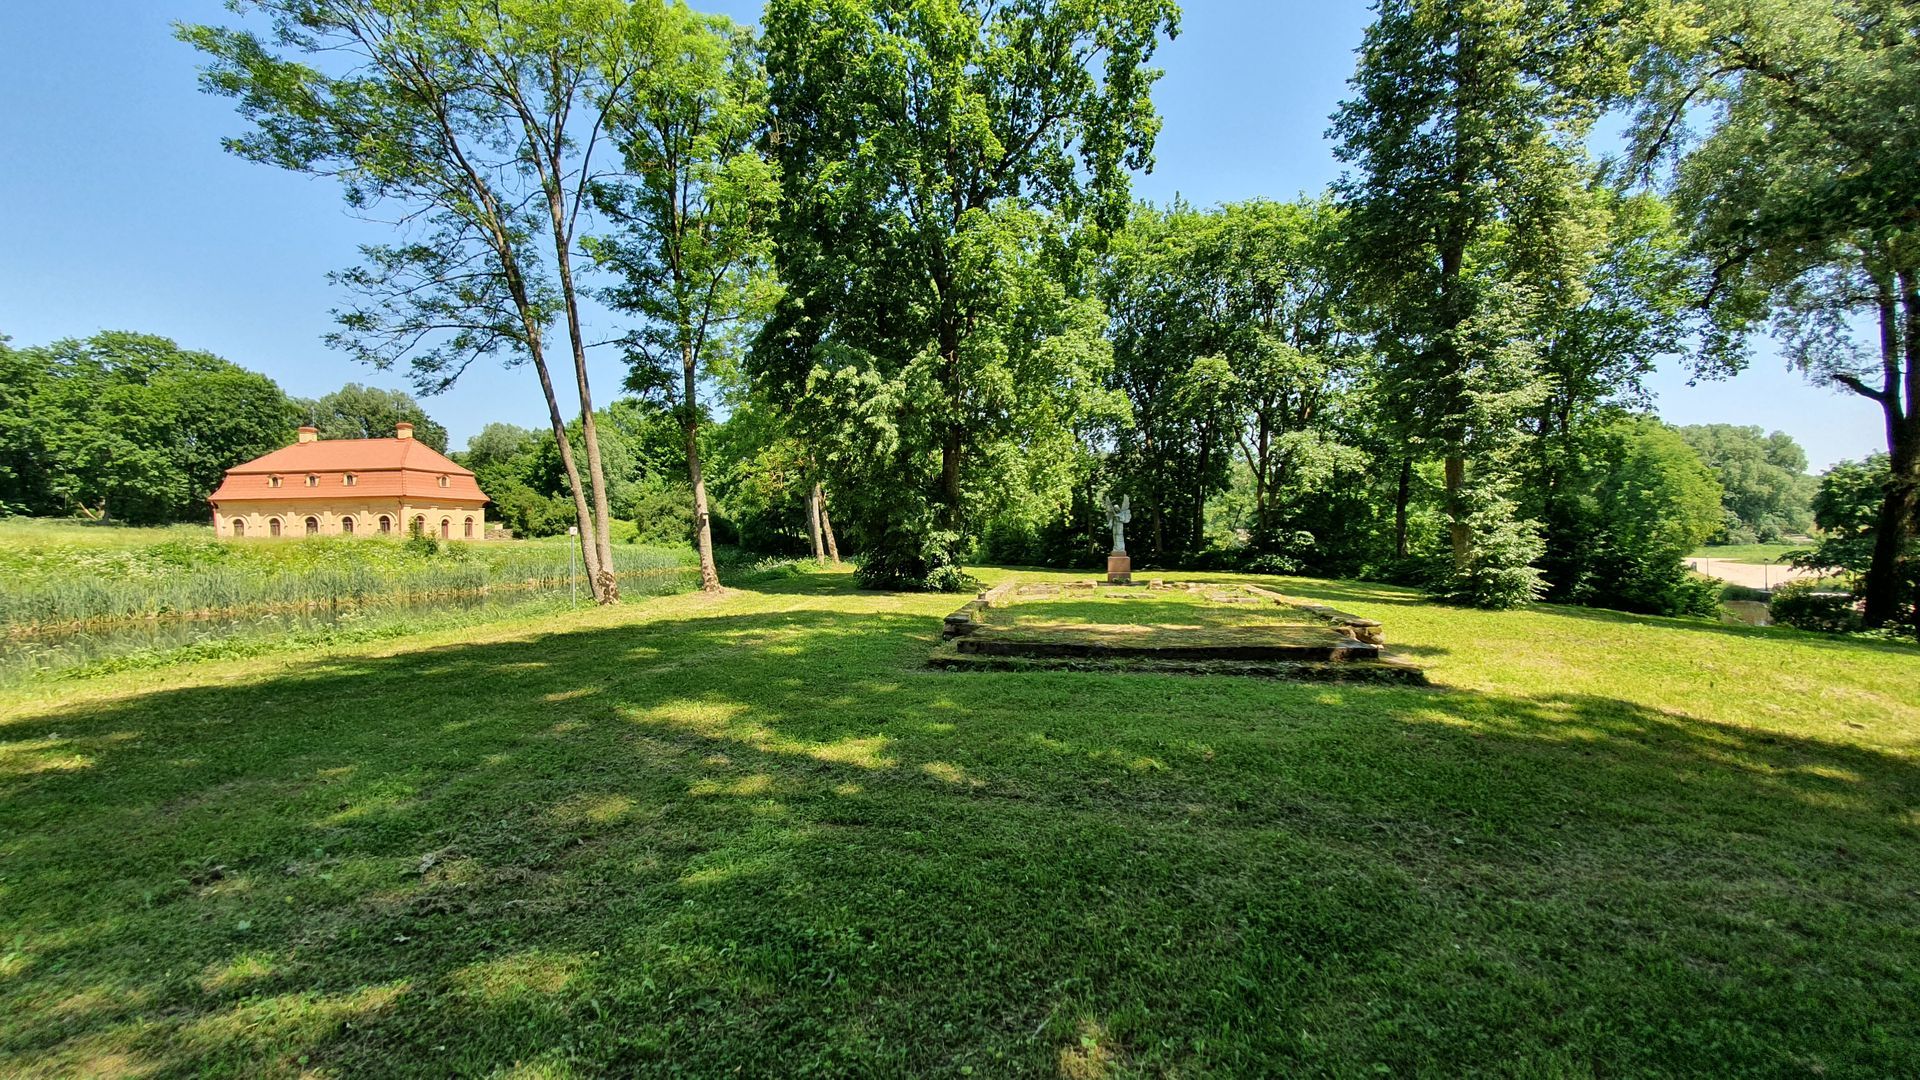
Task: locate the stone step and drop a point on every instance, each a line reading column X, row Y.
column 1338, row 650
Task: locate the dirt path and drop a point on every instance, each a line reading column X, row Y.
column 1752, row 575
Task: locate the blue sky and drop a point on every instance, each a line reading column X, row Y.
column 122, row 211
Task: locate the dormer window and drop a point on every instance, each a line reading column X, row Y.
column 446, row 482
column 351, row 479
column 273, row 481
column 312, row 480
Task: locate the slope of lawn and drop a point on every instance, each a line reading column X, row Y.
column 1757, row 554
column 752, row 835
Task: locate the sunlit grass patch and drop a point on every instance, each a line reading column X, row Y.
column 751, row 835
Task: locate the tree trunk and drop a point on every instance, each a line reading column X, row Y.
column 589, row 553
column 1890, row 537
column 702, row 519
column 1199, row 525
column 813, row 525
column 826, row 525
column 1400, row 508
column 1457, row 511
column 1901, row 403
column 951, row 441
column 1262, row 528
column 606, row 585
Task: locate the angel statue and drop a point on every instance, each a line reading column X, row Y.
column 1118, row 514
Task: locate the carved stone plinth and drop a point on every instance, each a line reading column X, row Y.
column 1119, row 569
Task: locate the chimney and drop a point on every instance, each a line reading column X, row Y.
column 403, row 430
column 309, row 434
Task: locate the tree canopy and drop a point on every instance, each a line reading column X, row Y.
column 130, row 426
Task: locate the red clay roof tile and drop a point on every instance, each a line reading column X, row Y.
column 382, row 469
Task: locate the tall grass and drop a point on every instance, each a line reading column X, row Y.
column 53, row 577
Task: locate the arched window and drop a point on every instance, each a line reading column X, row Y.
column 469, row 528
column 386, row 524
column 313, row 526
column 419, row 527
column 446, row 529
column 273, row 526
column 349, row 479
column 273, row 481
column 239, row 526
column 346, row 525
column 312, row 480
column 446, row 482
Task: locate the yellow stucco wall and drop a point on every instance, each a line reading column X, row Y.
column 330, row 516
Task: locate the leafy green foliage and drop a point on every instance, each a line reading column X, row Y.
column 478, row 122
column 365, row 412
column 1798, row 193
column 1471, row 221
column 1767, row 493
column 130, row 426
column 1849, row 508
column 1234, row 346
column 1806, row 606
column 1499, row 572
column 936, row 335
column 663, row 511
column 689, row 223
column 1650, row 502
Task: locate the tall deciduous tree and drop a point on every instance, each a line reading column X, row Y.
column 1231, row 333
column 933, row 153
column 131, row 425
column 1288, row 310
column 1465, row 213
column 1767, row 494
column 690, row 216
column 480, row 122
column 1802, row 195
column 368, row 412
column 1164, row 301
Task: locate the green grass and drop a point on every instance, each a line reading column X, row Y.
column 1758, row 554
column 753, row 835
column 1153, row 618
column 59, row 574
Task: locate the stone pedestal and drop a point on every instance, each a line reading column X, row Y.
column 1119, row 569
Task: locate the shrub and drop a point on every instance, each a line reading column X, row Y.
column 900, row 563
column 1271, row 562
column 1693, row 594
column 952, row 579
column 663, row 512
column 1499, row 572
column 1805, row 606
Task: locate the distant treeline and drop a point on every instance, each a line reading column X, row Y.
column 132, row 427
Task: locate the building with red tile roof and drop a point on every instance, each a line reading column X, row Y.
column 350, row 487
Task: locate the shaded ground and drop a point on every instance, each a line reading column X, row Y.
column 752, row 835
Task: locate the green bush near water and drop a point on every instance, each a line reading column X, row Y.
column 54, row 574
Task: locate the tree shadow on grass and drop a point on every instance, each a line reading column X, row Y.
column 774, row 843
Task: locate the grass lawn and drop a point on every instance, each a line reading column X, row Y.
column 1758, row 554
column 1154, row 619
column 753, row 835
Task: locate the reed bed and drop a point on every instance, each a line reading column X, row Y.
column 48, row 581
